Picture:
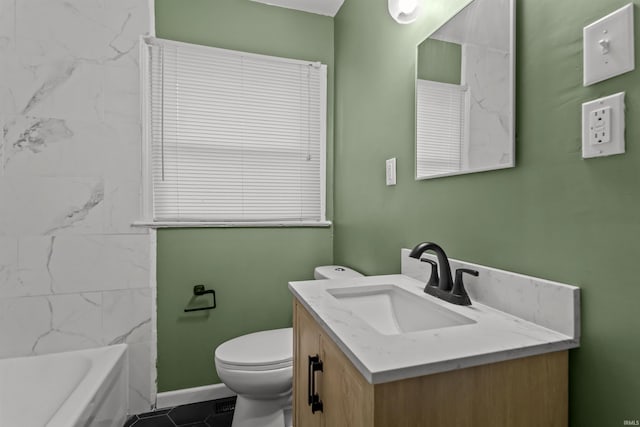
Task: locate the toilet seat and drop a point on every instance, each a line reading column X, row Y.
column 251, row 368
column 259, row 351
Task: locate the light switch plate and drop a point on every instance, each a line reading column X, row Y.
column 608, row 46
column 391, row 171
column 603, row 126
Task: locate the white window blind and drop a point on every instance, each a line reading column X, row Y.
column 232, row 136
column 440, row 127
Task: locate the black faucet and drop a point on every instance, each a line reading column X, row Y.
column 442, row 286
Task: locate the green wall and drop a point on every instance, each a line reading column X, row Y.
column 248, row 268
column 555, row 215
column 439, row 61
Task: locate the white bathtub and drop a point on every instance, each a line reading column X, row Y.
column 72, row 389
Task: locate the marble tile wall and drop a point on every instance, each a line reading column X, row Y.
column 486, row 73
column 73, row 272
column 482, row 28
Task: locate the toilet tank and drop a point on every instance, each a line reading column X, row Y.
column 334, row 272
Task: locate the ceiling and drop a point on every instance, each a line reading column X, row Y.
column 321, row 7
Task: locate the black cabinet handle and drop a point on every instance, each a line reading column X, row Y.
column 309, row 379
column 315, row 365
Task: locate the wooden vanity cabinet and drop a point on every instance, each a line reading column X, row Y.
column 526, row 392
column 306, row 342
column 346, row 396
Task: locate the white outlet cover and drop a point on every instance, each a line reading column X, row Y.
column 613, row 107
column 608, row 48
column 600, row 126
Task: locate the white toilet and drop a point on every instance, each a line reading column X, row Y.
column 258, row 367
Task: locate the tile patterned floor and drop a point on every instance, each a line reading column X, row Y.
column 213, row 413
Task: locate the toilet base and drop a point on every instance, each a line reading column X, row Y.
column 262, row 413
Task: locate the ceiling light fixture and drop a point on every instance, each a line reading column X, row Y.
column 404, row 11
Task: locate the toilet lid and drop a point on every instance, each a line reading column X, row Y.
column 274, row 347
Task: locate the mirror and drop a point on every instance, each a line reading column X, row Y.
column 465, row 93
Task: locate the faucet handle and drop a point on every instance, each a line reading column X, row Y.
column 459, row 272
column 458, row 285
column 434, row 280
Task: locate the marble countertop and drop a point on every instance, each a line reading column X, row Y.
column 495, row 336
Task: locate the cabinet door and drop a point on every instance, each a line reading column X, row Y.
column 306, row 343
column 347, row 397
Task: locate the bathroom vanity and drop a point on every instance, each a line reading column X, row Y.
column 364, row 356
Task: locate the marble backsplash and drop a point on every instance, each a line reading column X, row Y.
column 550, row 304
column 73, row 272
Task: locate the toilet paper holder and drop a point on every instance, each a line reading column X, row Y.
column 199, row 290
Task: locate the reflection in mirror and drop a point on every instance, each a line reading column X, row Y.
column 465, row 93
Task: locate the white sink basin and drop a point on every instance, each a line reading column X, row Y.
column 391, row 310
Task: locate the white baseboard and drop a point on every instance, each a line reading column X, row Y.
column 169, row 399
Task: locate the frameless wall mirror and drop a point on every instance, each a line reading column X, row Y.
column 465, row 93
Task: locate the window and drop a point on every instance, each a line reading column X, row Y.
column 441, row 136
column 232, row 137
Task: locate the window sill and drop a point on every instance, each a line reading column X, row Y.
column 210, row 224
